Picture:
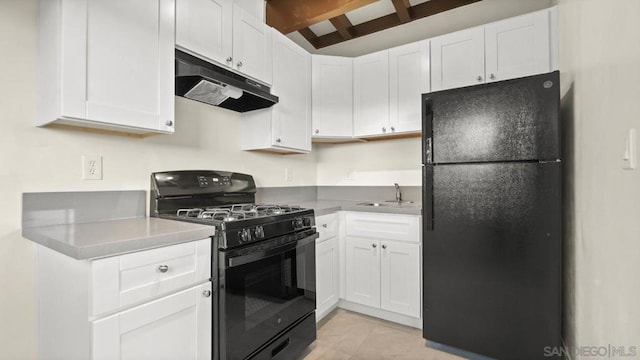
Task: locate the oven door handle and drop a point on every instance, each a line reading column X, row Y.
column 258, row 255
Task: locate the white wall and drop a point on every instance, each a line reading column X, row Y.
column 600, row 66
column 376, row 163
column 468, row 16
column 44, row 159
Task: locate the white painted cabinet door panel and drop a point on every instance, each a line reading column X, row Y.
column 130, row 62
column 332, row 92
column 251, row 45
column 363, row 271
column 400, row 278
column 518, row 47
column 327, row 275
column 457, row 59
column 292, row 84
column 204, row 27
column 371, row 94
column 174, row 327
column 408, row 80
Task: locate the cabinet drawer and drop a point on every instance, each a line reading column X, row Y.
column 327, row 226
column 130, row 279
column 384, row 226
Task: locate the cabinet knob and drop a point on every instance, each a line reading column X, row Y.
column 374, row 246
column 229, row 60
column 278, row 140
column 324, row 226
column 163, row 268
column 479, row 78
column 393, row 128
column 492, row 76
column 384, row 129
column 206, row 293
column 239, row 64
column 168, row 123
column 384, row 246
column 317, row 131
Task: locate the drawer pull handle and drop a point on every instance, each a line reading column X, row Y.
column 324, row 226
column 163, row 268
column 206, row 293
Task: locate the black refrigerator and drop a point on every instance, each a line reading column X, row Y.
column 492, row 244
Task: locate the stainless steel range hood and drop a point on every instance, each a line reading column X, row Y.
column 202, row 81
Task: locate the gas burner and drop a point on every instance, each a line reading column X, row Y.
column 195, row 213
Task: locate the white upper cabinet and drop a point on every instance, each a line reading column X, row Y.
column 518, row 47
column 286, row 126
column 251, row 45
column 408, row 80
column 507, row 49
column 332, row 96
column 226, row 33
column 205, row 28
column 457, row 59
column 371, row 94
column 107, row 64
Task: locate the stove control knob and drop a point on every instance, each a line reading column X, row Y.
column 297, row 223
column 306, row 221
column 258, row 232
column 244, row 235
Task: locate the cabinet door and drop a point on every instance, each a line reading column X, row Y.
column 400, row 278
column 292, row 84
column 203, row 27
column 251, row 45
column 130, row 63
column 174, row 327
column 363, row 271
column 332, row 92
column 371, row 94
column 457, row 59
column 408, row 80
column 327, row 275
column 518, row 47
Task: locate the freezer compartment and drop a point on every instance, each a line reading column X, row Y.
column 492, row 258
column 509, row 120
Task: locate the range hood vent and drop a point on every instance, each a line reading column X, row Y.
column 199, row 80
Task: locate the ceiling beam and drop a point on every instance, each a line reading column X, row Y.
column 292, row 15
column 402, row 9
column 382, row 23
column 311, row 37
column 343, row 25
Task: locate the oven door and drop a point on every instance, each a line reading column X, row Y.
column 264, row 289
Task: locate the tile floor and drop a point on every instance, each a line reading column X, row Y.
column 345, row 335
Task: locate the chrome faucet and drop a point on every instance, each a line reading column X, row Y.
column 398, row 194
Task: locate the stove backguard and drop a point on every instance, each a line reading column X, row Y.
column 173, row 190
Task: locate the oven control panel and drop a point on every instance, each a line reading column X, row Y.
column 212, row 181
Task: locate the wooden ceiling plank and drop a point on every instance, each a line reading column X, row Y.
column 292, row 15
column 436, row 6
column 402, row 9
column 311, row 37
column 343, row 25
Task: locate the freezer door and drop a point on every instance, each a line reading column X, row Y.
column 503, row 121
column 492, row 258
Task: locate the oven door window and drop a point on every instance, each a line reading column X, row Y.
column 264, row 297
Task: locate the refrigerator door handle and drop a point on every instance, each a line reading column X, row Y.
column 427, row 203
column 428, row 147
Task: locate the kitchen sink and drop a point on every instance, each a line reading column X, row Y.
column 385, row 203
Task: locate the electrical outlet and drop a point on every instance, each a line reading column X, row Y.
column 288, row 175
column 91, row 167
column 629, row 157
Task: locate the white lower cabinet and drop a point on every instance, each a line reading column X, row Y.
column 177, row 326
column 383, row 262
column 327, row 265
column 151, row 304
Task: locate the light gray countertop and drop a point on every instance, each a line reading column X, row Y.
column 323, row 207
column 111, row 237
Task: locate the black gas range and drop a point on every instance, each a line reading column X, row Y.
column 263, row 261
